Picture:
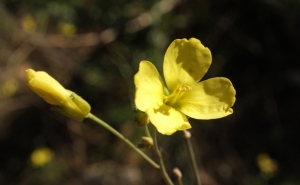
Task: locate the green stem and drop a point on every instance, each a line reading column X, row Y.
column 120, row 136
column 161, row 162
column 179, row 181
column 193, row 159
column 147, row 131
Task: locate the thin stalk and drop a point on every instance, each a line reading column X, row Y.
column 187, row 137
column 120, row 136
column 147, row 131
column 161, row 162
column 179, row 181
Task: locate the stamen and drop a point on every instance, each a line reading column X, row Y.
column 184, row 88
column 176, row 94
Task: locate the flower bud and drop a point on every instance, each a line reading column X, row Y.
column 62, row 100
column 177, row 173
column 186, row 134
column 147, row 142
column 140, row 118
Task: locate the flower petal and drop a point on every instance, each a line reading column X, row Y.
column 209, row 99
column 149, row 86
column 166, row 119
column 47, row 87
column 185, row 62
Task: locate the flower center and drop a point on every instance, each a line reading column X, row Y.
column 176, row 94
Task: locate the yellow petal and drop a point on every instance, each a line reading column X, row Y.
column 64, row 101
column 149, row 86
column 209, row 99
column 47, row 87
column 185, row 62
column 166, row 119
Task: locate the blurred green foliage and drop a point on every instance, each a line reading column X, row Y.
column 254, row 43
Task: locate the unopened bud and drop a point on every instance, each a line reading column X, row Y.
column 62, row 100
column 186, row 134
column 140, row 118
column 147, row 142
column 177, row 173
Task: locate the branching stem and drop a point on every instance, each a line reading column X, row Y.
column 120, row 136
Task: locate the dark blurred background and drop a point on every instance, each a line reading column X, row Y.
column 93, row 47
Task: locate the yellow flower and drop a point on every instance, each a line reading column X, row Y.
column 28, row 23
column 266, row 165
column 67, row 29
column 62, row 100
column 185, row 63
column 41, row 156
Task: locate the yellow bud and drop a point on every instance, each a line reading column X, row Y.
column 177, row 173
column 140, row 118
column 47, row 87
column 62, row 100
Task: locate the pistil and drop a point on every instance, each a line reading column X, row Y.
column 176, row 94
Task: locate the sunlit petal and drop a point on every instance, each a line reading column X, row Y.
column 209, row 99
column 149, row 86
column 62, row 100
column 166, row 119
column 47, row 87
column 185, row 62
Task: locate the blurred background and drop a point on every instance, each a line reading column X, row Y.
column 93, row 47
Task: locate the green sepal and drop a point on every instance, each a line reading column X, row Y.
column 79, row 111
column 140, row 118
column 83, row 105
column 67, row 111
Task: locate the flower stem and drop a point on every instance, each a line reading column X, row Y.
column 161, row 162
column 179, row 182
column 120, row 136
column 147, row 131
column 187, row 137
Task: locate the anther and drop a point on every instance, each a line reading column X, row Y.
column 184, row 88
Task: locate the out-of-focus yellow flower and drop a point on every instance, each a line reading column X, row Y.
column 10, row 87
column 266, row 165
column 40, row 157
column 185, row 63
column 28, row 23
column 64, row 101
column 66, row 29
